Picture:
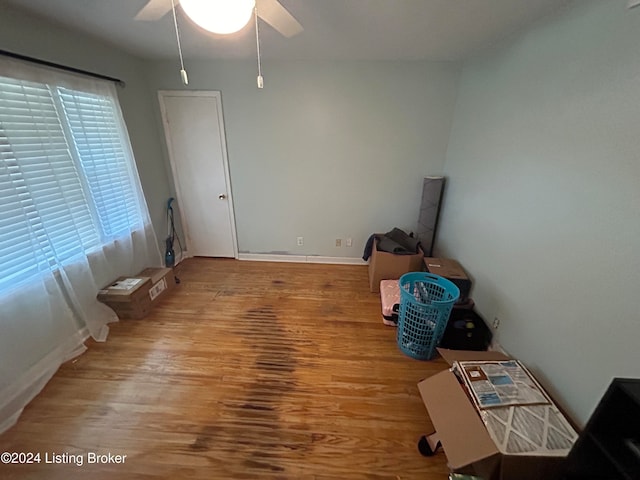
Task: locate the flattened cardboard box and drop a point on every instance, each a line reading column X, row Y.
column 134, row 297
column 464, row 437
column 389, row 266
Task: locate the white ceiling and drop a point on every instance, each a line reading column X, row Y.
column 449, row 30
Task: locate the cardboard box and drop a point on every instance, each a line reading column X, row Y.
column 464, row 437
column 389, row 266
column 134, row 297
column 451, row 270
column 162, row 282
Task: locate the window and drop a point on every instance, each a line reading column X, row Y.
column 98, row 143
column 72, row 219
column 67, row 182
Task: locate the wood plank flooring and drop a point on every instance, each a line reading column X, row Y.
column 249, row 370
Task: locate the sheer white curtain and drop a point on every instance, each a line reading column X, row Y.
column 72, row 219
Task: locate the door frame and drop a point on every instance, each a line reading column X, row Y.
column 223, row 143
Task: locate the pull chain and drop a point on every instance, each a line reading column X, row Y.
column 259, row 79
column 183, row 72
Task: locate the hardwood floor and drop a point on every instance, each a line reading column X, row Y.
column 246, row 371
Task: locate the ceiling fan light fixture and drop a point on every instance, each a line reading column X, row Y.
column 219, row 16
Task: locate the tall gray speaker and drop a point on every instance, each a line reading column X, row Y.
column 432, row 189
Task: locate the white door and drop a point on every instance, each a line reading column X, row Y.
column 197, row 150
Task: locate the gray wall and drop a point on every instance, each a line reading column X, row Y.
column 543, row 203
column 328, row 149
column 28, row 35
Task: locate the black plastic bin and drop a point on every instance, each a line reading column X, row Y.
column 466, row 330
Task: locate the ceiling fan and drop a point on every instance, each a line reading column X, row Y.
column 271, row 11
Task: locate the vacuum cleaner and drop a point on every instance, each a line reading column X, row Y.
column 172, row 237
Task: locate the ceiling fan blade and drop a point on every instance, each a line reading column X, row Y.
column 154, row 10
column 272, row 12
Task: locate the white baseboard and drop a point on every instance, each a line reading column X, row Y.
column 267, row 257
column 496, row 347
column 335, row 260
column 180, row 257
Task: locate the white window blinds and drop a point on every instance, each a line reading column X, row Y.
column 98, row 143
column 67, row 185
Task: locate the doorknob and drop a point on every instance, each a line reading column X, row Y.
column 222, row 196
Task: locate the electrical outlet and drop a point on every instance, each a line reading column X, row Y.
column 338, row 242
column 349, row 242
column 496, row 322
column 300, row 241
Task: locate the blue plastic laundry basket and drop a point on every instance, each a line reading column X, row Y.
column 426, row 301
